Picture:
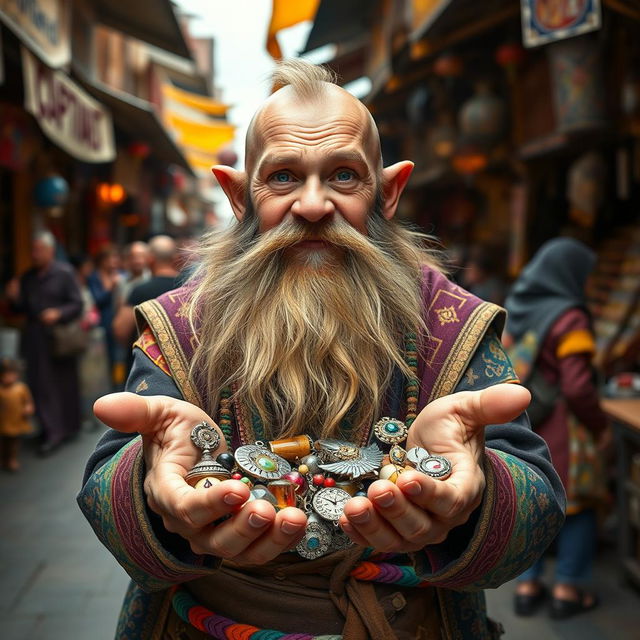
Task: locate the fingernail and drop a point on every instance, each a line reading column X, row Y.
column 257, row 521
column 386, row 499
column 361, row 517
column 412, row 488
column 233, row 499
column 291, row 527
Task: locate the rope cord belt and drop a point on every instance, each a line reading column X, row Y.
column 222, row 628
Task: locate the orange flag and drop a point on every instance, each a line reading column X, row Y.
column 285, row 14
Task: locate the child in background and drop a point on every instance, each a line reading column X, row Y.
column 16, row 405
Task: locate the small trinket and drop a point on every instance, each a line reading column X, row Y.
column 206, row 438
column 262, row 493
column 284, row 492
column 312, row 463
column 434, row 466
column 227, row 460
column 258, row 461
column 351, row 461
column 292, row 448
column 298, row 480
column 317, row 538
column 329, row 502
column 391, row 472
column 397, row 455
column 390, row 431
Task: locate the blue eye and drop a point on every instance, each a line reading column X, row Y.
column 344, row 175
column 281, row 176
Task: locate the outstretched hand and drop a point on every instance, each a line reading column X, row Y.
column 419, row 510
column 254, row 535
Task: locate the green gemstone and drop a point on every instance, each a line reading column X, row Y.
column 313, row 543
column 391, row 427
column 266, row 464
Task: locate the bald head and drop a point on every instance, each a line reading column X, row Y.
column 163, row 250
column 304, row 85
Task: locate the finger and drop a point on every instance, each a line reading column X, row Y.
column 232, row 537
column 494, row 405
column 360, row 514
column 191, row 509
column 286, row 532
column 450, row 500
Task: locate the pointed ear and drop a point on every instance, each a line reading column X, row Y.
column 233, row 184
column 394, row 180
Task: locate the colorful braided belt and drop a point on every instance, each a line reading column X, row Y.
column 222, row 628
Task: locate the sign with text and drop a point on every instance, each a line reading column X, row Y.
column 548, row 20
column 43, row 25
column 68, row 116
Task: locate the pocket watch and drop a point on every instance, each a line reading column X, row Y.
column 329, row 502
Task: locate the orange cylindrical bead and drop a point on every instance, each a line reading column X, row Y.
column 291, row 448
column 284, row 493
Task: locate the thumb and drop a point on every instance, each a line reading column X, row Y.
column 126, row 412
column 494, row 405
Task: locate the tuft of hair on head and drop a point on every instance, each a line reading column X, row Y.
column 46, row 238
column 305, row 79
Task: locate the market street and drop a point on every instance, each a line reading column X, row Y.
column 57, row 582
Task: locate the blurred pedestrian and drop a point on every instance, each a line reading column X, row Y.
column 49, row 296
column 163, row 253
column 553, row 344
column 16, row 407
column 102, row 283
column 136, row 264
column 480, row 274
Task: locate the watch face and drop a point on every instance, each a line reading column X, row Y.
column 329, row 502
column 435, row 466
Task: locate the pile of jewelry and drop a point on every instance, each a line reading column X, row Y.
column 318, row 477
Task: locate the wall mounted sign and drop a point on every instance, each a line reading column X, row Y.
column 548, row 20
column 67, row 115
column 43, row 25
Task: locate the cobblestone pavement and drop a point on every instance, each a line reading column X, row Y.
column 58, row 583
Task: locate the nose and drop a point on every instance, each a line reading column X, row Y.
column 312, row 203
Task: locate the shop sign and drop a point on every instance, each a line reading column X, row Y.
column 66, row 113
column 43, row 25
column 548, row 20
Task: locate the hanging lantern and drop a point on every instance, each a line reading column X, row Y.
column 469, row 160
column 510, row 56
column 482, row 117
column 448, row 65
column 52, row 191
column 139, row 149
column 442, row 140
column 110, row 194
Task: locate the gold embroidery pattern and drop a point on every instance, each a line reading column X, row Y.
column 447, row 315
column 492, row 370
column 183, row 311
column 161, row 326
column 471, row 377
column 496, row 351
column 463, row 349
column 143, row 386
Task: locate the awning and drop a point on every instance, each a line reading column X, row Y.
column 338, row 21
column 139, row 119
column 207, row 137
column 202, row 103
column 152, row 21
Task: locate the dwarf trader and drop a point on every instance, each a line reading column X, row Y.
column 307, row 323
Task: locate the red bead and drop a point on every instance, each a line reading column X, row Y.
column 236, row 476
column 318, row 479
column 329, row 482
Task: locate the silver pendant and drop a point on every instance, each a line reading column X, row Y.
column 434, row 466
column 205, row 437
column 259, row 462
column 349, row 459
column 390, row 431
column 317, row 538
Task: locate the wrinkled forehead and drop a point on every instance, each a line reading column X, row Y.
column 331, row 117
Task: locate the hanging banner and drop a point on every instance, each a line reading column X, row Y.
column 68, row 116
column 43, row 25
column 548, row 20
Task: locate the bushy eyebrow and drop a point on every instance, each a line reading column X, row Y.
column 292, row 159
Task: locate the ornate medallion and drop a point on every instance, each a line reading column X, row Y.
column 317, row 539
column 205, row 437
column 397, row 455
column 435, row 466
column 349, row 459
column 259, row 462
column 390, row 431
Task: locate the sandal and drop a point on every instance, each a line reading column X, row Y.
column 528, row 604
column 561, row 609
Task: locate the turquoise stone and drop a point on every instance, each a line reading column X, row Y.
column 267, row 464
column 313, row 543
column 391, row 427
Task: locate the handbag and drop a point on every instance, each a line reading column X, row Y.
column 68, row 339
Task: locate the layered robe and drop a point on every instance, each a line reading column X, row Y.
column 352, row 594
